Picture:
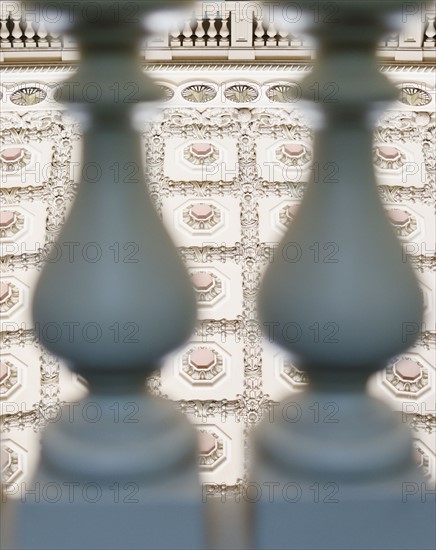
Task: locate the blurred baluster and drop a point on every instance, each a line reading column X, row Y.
column 338, row 464
column 125, row 461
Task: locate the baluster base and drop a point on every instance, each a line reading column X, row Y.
column 117, row 472
column 336, row 471
column 125, row 515
column 321, row 514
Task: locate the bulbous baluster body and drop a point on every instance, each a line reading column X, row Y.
column 114, row 267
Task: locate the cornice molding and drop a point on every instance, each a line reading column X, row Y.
column 218, row 67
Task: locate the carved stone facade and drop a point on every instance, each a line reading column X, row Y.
column 228, row 157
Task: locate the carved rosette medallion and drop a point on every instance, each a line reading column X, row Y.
column 293, row 154
column 388, row 157
column 202, row 365
column 202, row 216
column 11, row 223
column 13, row 159
column 201, row 153
column 8, row 377
column 407, row 376
column 207, row 286
column 9, row 296
column 211, row 450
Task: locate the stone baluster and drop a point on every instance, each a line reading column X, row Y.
column 55, row 39
column 42, row 35
column 5, row 34
column 175, row 36
column 212, row 33
column 29, row 33
column 225, row 32
column 124, row 461
column 200, row 33
column 283, row 37
column 259, row 33
column 336, row 465
column 430, row 31
column 188, row 35
column 271, row 34
column 392, row 40
column 296, row 40
column 16, row 33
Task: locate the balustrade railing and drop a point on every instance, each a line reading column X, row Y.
column 21, row 33
column 216, row 30
column 210, row 31
column 268, row 35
